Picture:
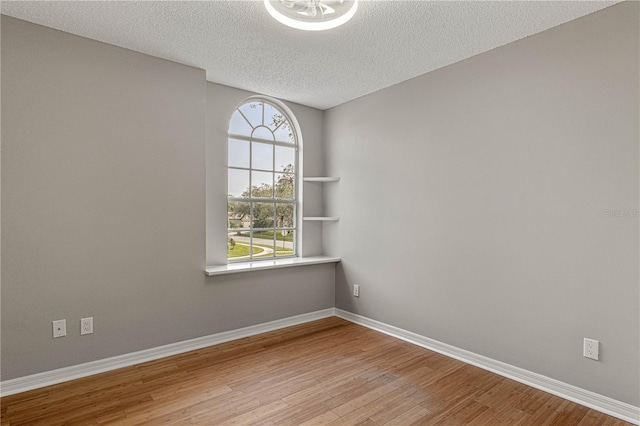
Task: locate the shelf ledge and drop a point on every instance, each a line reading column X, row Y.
column 260, row 265
column 321, row 179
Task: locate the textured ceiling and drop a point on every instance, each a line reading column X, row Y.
column 240, row 45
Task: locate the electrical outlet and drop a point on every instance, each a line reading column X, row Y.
column 356, row 290
column 59, row 328
column 591, row 349
column 86, row 326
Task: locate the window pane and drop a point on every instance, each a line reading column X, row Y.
column 263, row 238
column 284, row 133
column 239, row 125
column 263, row 215
column 262, row 156
column 238, row 183
column 272, row 117
column 262, row 242
column 262, row 133
column 253, row 112
column 284, row 242
column 238, row 153
column 238, row 215
column 238, row 246
column 285, row 159
column 262, row 184
column 285, row 186
column 284, row 215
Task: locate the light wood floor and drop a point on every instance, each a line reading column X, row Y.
column 325, row 372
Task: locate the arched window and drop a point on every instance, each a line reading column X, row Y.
column 262, row 165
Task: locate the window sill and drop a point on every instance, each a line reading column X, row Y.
column 235, row 268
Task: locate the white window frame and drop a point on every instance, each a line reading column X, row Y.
column 296, row 202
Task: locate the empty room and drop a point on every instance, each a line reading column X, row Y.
column 320, row 212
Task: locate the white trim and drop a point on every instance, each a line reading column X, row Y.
column 294, row 125
column 261, row 265
column 321, row 179
column 581, row 396
column 261, row 140
column 47, row 378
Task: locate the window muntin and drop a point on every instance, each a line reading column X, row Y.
column 262, row 167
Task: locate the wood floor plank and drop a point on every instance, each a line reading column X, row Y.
column 366, row 398
column 326, row 372
column 411, row 416
column 391, row 407
column 257, row 413
column 322, row 419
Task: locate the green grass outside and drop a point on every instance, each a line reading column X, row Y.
column 242, row 250
column 279, row 251
column 268, row 235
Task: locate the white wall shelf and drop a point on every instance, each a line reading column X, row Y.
column 321, row 179
column 316, row 182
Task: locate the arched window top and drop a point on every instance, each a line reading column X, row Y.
column 261, row 120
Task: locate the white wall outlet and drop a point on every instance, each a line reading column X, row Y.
column 86, row 326
column 356, row 290
column 591, row 349
column 59, row 328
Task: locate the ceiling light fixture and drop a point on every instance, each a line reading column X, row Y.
column 312, row 15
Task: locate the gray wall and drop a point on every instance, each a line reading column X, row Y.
column 103, row 205
column 473, row 201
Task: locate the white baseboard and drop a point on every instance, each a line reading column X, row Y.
column 47, row 378
column 584, row 397
column 581, row 396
